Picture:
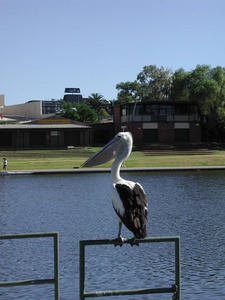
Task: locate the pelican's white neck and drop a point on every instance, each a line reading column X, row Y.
column 115, row 169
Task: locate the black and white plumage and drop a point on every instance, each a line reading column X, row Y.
column 128, row 198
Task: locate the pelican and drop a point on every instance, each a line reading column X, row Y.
column 128, row 197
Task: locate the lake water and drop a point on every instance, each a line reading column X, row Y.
column 78, row 206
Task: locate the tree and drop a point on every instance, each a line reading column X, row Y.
column 97, row 101
column 155, row 83
column 128, row 91
column 180, row 85
column 96, row 97
column 81, row 112
column 152, row 84
column 69, row 111
column 103, row 112
column 205, row 86
column 87, row 114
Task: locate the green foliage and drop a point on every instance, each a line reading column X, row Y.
column 69, row 111
column 98, row 102
column 180, row 85
column 155, row 83
column 152, row 84
column 103, row 112
column 205, row 86
column 128, row 91
column 96, row 97
column 81, row 112
column 86, row 113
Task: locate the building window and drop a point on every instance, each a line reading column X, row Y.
column 124, row 112
column 182, row 135
column 150, row 135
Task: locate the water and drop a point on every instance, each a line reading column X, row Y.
column 189, row 204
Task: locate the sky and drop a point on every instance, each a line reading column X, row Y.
column 49, row 45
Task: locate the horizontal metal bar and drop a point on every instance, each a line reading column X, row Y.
column 28, row 235
column 27, row 282
column 128, row 292
column 127, row 241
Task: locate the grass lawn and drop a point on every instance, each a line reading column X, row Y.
column 73, row 158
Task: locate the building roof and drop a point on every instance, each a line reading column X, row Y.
column 164, row 102
column 44, row 126
column 52, row 122
column 54, row 119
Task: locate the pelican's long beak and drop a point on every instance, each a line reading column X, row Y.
column 110, row 151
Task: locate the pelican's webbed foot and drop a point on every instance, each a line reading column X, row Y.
column 133, row 241
column 119, row 241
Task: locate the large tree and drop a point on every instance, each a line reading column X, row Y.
column 152, row 83
column 205, row 86
column 155, row 83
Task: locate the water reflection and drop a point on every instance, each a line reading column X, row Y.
column 189, row 204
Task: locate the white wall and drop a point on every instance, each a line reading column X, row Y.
column 31, row 110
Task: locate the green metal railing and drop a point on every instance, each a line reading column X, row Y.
column 175, row 289
column 55, row 280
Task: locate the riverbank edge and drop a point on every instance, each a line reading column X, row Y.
column 107, row 170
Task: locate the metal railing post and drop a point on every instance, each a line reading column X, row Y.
column 56, row 265
column 175, row 289
column 177, row 267
column 82, row 270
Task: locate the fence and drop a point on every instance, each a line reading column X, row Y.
column 54, row 280
column 175, row 289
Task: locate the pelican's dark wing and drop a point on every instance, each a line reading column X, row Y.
column 135, row 203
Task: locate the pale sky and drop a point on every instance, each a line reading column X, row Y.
column 48, row 45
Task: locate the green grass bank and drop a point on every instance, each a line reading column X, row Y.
column 73, row 158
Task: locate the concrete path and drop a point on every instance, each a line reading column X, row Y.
column 107, row 170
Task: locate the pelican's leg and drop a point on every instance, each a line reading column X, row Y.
column 120, row 227
column 119, row 239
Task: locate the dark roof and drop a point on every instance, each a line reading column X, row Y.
column 56, row 120
column 43, row 126
column 164, row 102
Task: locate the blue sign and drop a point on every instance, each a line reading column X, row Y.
column 72, row 90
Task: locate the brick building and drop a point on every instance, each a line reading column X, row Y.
column 165, row 122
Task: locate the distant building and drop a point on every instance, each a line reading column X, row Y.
column 36, row 109
column 166, row 122
column 73, row 98
column 50, row 133
column 73, row 95
column 33, row 109
column 150, row 122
